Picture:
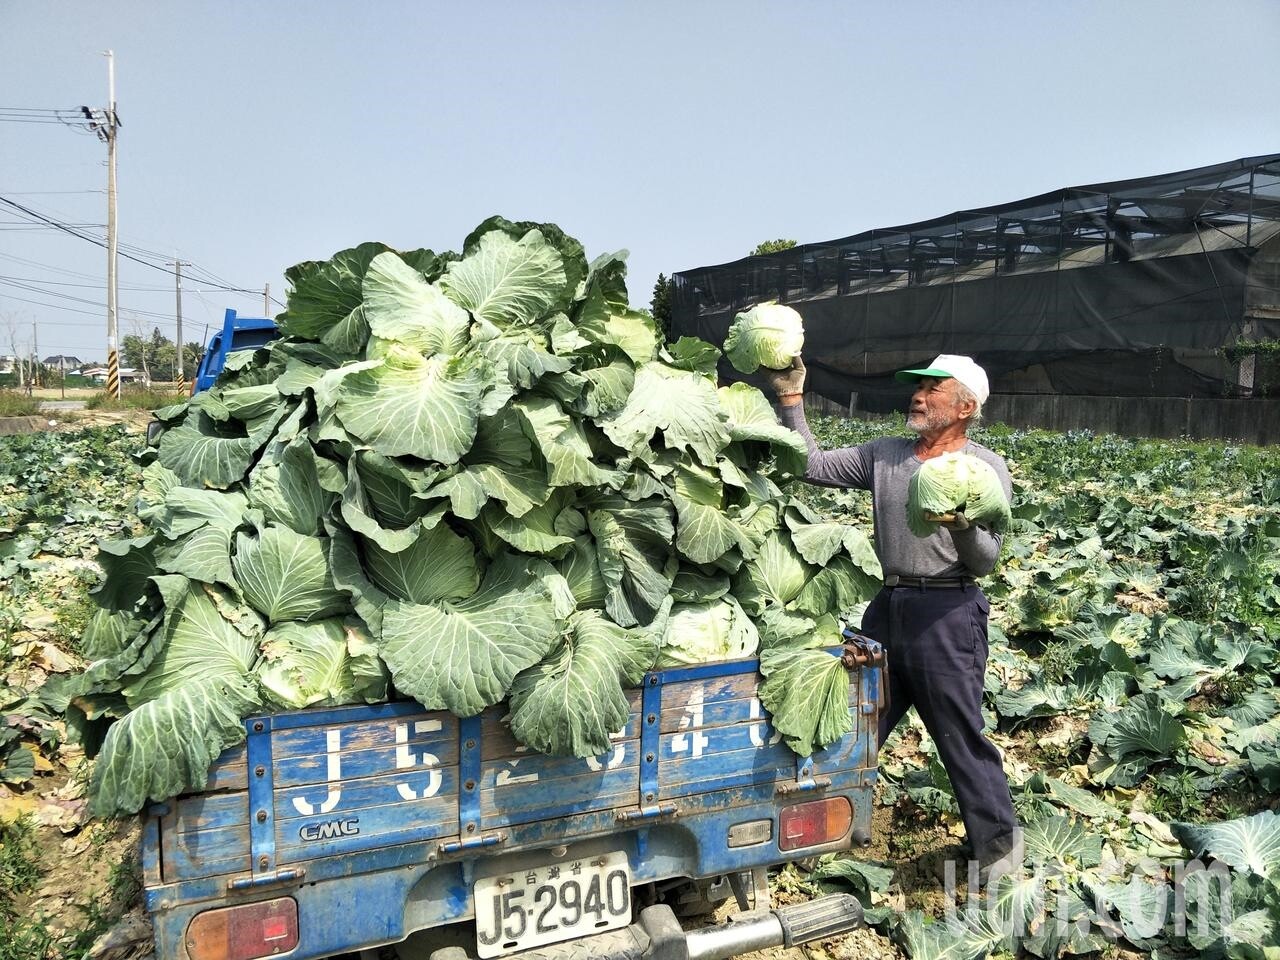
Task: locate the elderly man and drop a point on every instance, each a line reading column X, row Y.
column 931, row 616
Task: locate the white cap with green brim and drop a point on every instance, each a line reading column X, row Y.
column 962, row 369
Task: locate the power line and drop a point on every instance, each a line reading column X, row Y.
column 40, row 110
column 46, row 216
column 95, row 286
column 67, row 228
column 87, row 313
column 27, row 225
column 91, row 324
column 137, row 248
column 51, row 267
column 209, row 273
column 45, row 193
column 6, row 117
column 66, row 296
column 216, row 281
column 80, row 119
column 70, row 228
column 212, row 308
column 157, row 319
column 224, row 284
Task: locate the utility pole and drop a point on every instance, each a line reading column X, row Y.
column 266, row 300
column 177, row 276
column 112, row 129
column 35, row 356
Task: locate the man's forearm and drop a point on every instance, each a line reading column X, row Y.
column 792, row 416
column 977, row 548
column 830, row 468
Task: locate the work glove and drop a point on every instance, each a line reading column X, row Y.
column 788, row 380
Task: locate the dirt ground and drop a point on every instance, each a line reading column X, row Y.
column 64, row 420
column 79, row 419
column 83, row 393
column 71, row 393
column 917, row 854
column 90, row 874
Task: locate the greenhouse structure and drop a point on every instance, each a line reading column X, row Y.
column 1160, row 287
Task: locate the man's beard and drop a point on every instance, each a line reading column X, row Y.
column 923, row 422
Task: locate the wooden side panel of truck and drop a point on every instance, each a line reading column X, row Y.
column 366, row 823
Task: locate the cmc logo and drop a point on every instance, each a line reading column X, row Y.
column 330, row 830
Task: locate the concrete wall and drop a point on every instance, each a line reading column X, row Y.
column 1249, row 421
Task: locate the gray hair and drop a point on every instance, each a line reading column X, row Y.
column 965, row 395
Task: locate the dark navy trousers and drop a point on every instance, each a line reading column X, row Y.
column 936, row 641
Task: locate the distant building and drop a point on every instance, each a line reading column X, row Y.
column 62, row 362
column 99, row 374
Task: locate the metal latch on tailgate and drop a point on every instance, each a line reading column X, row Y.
column 267, row 880
column 647, row 813
column 450, row 847
column 861, row 651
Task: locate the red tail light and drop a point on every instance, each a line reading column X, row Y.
column 814, row 823
column 246, row 932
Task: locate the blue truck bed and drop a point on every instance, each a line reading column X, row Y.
column 351, row 827
column 237, row 333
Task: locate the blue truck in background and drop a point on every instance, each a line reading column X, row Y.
column 392, row 832
column 237, row 333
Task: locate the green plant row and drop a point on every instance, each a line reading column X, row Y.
column 1133, row 685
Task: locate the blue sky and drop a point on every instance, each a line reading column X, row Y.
column 258, row 134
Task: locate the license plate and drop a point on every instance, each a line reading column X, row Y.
column 573, row 898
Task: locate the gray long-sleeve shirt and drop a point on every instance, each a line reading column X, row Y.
column 885, row 467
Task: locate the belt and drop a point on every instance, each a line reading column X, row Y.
column 930, row 583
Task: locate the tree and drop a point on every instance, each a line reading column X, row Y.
column 10, row 322
column 660, row 305
column 192, row 353
column 134, row 353
column 139, row 351
column 772, row 246
column 166, row 362
column 157, row 356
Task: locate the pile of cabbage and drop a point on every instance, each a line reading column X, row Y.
column 461, row 479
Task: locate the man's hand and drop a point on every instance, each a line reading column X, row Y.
column 788, row 382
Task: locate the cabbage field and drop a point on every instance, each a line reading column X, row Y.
column 1136, row 612
column 1132, row 688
